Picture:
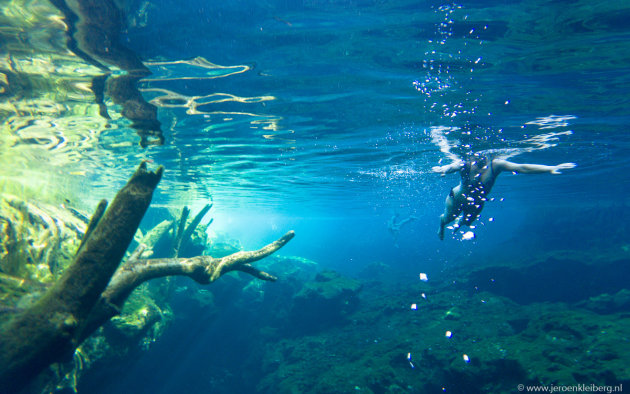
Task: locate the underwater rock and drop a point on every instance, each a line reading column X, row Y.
column 326, row 301
column 566, row 277
column 608, row 303
column 17, row 294
column 453, row 314
column 141, row 320
column 494, row 344
column 294, row 271
column 375, row 271
column 292, row 268
column 222, row 245
column 570, row 233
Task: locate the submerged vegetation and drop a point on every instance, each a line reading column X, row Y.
column 461, row 339
column 59, row 271
column 92, row 289
column 556, row 319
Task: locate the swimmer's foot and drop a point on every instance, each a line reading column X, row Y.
column 441, row 231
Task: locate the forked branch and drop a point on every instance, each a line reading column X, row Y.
column 202, row 269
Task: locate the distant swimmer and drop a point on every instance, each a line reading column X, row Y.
column 478, row 173
column 394, row 225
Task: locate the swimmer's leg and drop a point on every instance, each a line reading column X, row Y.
column 470, row 214
column 451, row 211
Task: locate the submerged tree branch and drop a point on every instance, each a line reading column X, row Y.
column 94, row 288
column 46, row 332
column 180, row 231
column 236, row 261
column 202, row 269
column 192, row 226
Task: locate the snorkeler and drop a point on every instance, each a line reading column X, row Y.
column 478, row 173
column 394, row 225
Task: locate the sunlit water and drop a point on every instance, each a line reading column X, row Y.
column 325, row 117
column 311, row 115
column 316, row 114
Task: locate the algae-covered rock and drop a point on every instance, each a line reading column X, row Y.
column 325, row 301
column 458, row 339
column 292, row 272
column 291, row 268
column 375, row 271
column 222, row 245
column 142, row 319
column 17, row 294
column 608, row 303
column 453, row 314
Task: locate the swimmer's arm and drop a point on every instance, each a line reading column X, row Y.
column 449, row 168
column 504, row 165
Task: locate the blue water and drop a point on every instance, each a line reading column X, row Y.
column 356, row 89
column 323, row 120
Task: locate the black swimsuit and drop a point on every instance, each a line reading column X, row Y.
column 474, row 191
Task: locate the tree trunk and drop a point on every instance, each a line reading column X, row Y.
column 45, row 333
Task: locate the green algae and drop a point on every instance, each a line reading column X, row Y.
column 38, row 240
column 142, row 320
column 493, row 343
